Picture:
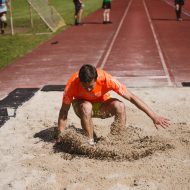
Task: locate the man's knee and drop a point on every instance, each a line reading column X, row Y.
column 119, row 107
column 106, row 11
column 3, row 18
column 85, row 109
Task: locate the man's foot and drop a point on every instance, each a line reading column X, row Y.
column 2, row 31
column 107, row 22
column 91, row 142
column 179, row 19
column 78, row 23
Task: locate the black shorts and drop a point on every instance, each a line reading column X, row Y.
column 180, row 2
column 106, row 5
column 78, row 7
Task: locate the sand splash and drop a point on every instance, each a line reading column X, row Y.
column 128, row 144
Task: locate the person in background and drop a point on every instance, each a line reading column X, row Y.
column 4, row 4
column 88, row 92
column 79, row 6
column 178, row 9
column 106, row 14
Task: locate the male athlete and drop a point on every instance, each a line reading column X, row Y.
column 88, row 92
column 4, row 4
column 106, row 5
column 178, row 9
column 78, row 11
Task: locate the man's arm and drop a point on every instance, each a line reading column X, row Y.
column 157, row 120
column 62, row 120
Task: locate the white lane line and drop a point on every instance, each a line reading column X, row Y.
column 158, row 47
column 146, row 77
column 115, row 36
column 172, row 5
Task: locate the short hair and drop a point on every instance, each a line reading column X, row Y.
column 87, row 73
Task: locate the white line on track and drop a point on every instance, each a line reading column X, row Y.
column 115, row 36
column 158, row 46
column 145, row 77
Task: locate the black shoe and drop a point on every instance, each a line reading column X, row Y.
column 109, row 22
column 179, row 19
column 2, row 31
column 76, row 22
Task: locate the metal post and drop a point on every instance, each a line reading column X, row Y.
column 31, row 17
column 11, row 18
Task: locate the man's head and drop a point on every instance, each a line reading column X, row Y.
column 88, row 76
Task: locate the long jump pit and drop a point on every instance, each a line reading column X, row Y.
column 140, row 157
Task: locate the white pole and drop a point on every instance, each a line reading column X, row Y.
column 11, row 18
column 31, row 17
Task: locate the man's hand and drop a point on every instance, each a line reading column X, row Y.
column 62, row 120
column 163, row 122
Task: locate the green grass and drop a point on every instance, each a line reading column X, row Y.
column 13, row 47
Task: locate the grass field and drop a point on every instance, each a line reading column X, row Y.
column 25, row 38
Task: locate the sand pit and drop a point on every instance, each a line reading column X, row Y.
column 140, row 158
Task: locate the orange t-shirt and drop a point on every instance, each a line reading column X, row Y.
column 104, row 83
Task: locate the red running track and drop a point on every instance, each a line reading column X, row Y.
column 135, row 57
column 144, row 47
column 174, row 38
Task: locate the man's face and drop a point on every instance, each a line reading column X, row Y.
column 89, row 86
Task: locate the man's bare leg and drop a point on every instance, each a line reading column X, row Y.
column 104, row 16
column 80, row 15
column 108, row 15
column 83, row 109
column 114, row 107
column 111, row 107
